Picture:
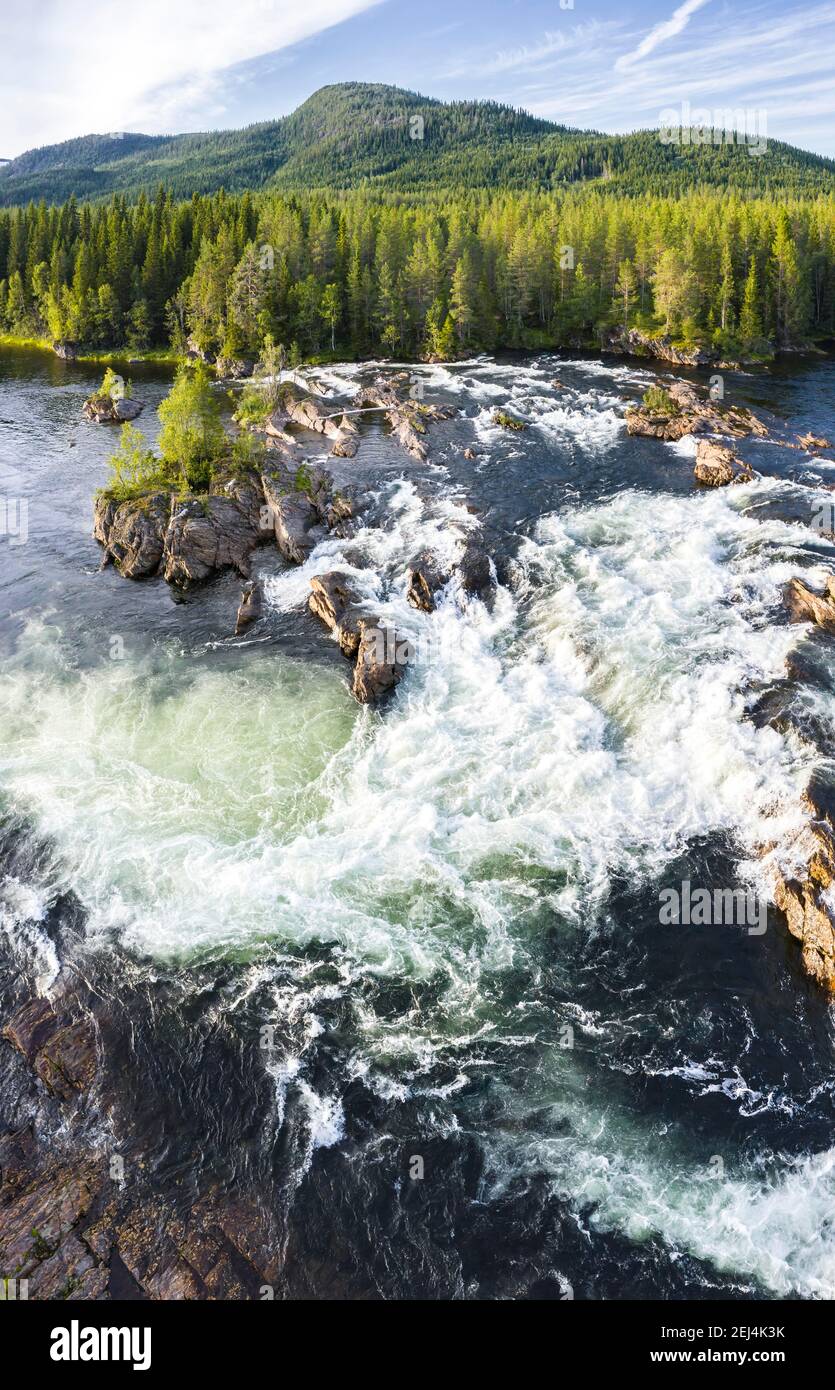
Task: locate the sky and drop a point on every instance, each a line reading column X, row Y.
column 164, row 66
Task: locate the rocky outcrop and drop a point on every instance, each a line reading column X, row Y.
column 307, row 414
column 805, row 606
column 336, row 602
column 133, row 532
column 802, row 897
column 691, row 413
column 104, row 410
column 382, row 658
column 207, row 534
column 293, row 511
column 406, row 417
column 249, row 610
column 424, row 580
column 475, row 573
column 717, row 466
column 71, row 1226
column 813, row 442
column 234, row 368
column 379, row 653
column 635, row 343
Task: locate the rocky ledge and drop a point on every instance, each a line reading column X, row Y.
column 77, row 1222
column 188, row 538
column 692, row 413
column 635, row 343
column 802, row 896
column 717, row 466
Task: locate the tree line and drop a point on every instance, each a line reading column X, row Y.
column 435, row 274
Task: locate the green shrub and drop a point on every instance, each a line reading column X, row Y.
column 660, row 402
column 134, row 468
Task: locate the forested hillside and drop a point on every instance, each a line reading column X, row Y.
column 361, row 134
column 436, row 275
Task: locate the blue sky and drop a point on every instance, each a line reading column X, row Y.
column 164, row 66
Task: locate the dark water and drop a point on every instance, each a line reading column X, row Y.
column 402, row 974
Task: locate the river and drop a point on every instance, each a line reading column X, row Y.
column 402, row 971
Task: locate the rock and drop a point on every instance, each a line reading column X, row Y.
column 424, row 581
column 508, row 422
column 403, row 416
column 382, row 657
column 470, row 454
column 802, row 899
column 805, row 606
column 307, row 414
column 198, row 354
column 206, row 534
column 103, row 410
column 336, row 602
column 636, row 343
column 61, row 1050
column 65, row 349
column 133, row 532
column 250, row 606
column 237, row 368
column 293, row 515
column 813, row 441
column 717, row 466
column 691, row 413
column 475, row 572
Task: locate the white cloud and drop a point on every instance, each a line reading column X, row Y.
column 69, row 69
column 667, row 29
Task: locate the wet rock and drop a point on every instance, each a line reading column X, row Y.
column 293, row 515
column 250, row 607
column 382, row 657
column 802, row 897
column 307, row 414
column 337, row 603
column 61, row 1050
column 65, row 349
column 717, row 466
column 133, row 532
column 470, row 454
column 404, row 417
column 103, row 410
column 805, row 606
column 206, row 534
column 476, row 572
column 425, row 579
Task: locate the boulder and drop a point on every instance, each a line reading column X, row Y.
column 250, row 607
column 692, row 413
column 717, row 466
column 475, row 572
column 336, row 602
column 805, row 606
column 104, row 410
column 133, row 532
column 293, row 516
column 206, row 534
column 508, row 422
column 65, row 349
column 814, row 441
column 424, row 581
column 382, row 657
column 236, row 368
column 802, row 898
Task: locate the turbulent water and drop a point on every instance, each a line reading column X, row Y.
column 403, row 970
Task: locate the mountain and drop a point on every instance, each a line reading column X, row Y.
column 371, row 135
